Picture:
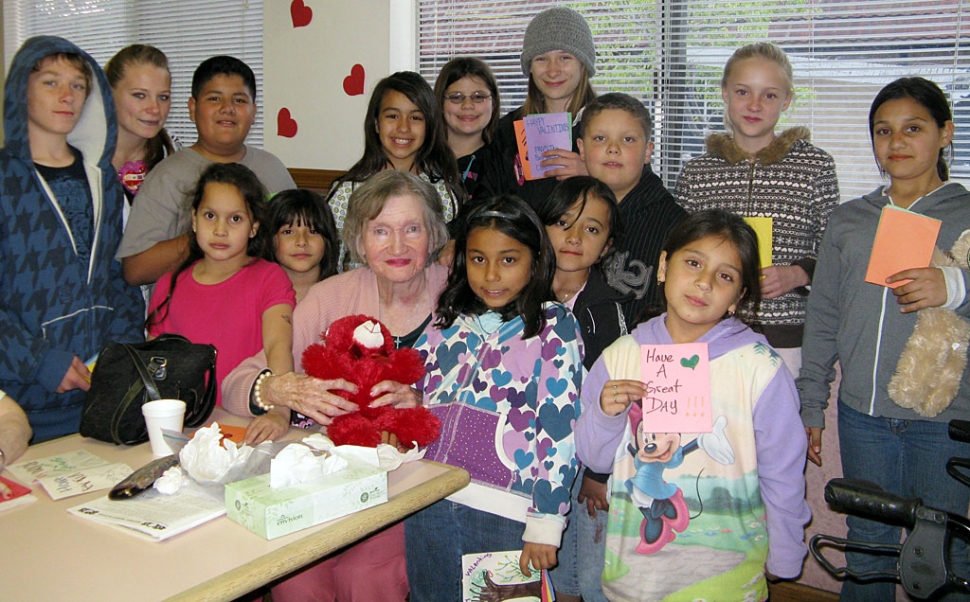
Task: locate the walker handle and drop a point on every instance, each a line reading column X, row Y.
column 868, row 500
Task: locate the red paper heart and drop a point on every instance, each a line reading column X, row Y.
column 285, row 124
column 354, row 83
column 301, row 13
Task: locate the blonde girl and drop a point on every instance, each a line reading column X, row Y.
column 754, row 172
column 141, row 84
column 559, row 59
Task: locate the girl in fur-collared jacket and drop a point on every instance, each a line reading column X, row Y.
column 753, row 172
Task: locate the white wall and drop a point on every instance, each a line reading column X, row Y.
column 305, row 68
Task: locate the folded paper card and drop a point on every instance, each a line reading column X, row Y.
column 904, row 240
column 85, row 480
column 678, row 380
column 524, row 166
column 32, row 470
column 497, row 576
column 762, row 227
column 541, row 133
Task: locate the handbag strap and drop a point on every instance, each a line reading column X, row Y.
column 203, row 409
column 144, row 384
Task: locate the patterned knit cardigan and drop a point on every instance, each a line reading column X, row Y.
column 791, row 181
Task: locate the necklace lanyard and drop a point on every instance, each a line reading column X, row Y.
column 464, row 176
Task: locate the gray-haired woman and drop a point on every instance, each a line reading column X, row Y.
column 395, row 227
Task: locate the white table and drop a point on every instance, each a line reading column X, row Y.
column 48, row 555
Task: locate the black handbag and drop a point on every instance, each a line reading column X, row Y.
column 127, row 376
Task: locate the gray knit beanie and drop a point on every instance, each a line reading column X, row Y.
column 559, row 28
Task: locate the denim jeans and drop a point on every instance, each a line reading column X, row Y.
column 435, row 539
column 583, row 552
column 908, row 458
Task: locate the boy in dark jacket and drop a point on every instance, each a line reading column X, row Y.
column 615, row 144
column 62, row 295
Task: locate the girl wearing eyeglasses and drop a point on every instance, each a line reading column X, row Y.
column 468, row 96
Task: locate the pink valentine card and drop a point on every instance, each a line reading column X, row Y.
column 678, row 379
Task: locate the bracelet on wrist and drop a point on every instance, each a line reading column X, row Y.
column 256, row 405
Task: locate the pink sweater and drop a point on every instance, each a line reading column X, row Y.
column 353, row 292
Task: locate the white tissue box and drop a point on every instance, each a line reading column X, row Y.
column 273, row 513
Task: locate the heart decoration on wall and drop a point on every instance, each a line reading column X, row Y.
column 285, row 124
column 354, row 83
column 300, row 13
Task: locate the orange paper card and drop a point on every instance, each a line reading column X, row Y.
column 520, row 142
column 904, row 240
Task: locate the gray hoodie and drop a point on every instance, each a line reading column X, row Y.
column 859, row 324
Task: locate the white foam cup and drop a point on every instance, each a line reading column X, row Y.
column 163, row 414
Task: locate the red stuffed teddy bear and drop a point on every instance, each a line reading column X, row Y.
column 360, row 349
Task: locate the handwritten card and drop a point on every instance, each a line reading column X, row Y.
column 545, row 132
column 678, row 379
column 68, row 484
column 32, row 470
column 762, row 228
column 903, row 240
column 496, row 576
column 523, row 148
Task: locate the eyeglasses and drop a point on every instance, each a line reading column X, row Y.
column 459, row 98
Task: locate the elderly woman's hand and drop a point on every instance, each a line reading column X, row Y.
column 390, row 393
column 308, row 396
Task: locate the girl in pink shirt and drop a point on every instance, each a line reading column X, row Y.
column 224, row 294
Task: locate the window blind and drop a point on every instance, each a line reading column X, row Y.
column 670, row 54
column 188, row 32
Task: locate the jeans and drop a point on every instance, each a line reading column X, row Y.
column 436, row 538
column 583, row 552
column 908, row 458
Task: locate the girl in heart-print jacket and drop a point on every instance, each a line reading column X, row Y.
column 507, row 408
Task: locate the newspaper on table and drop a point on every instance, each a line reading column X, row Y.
column 155, row 516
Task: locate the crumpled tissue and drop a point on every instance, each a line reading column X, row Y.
column 296, row 464
column 389, row 458
column 171, row 481
column 208, row 460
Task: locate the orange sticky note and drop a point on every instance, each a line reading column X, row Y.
column 904, row 240
column 236, row 434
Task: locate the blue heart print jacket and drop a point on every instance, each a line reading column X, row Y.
column 507, row 408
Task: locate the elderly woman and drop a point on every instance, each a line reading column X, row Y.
column 395, row 227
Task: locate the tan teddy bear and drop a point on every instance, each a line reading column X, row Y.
column 931, row 366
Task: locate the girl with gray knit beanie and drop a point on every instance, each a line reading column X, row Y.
column 559, row 59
